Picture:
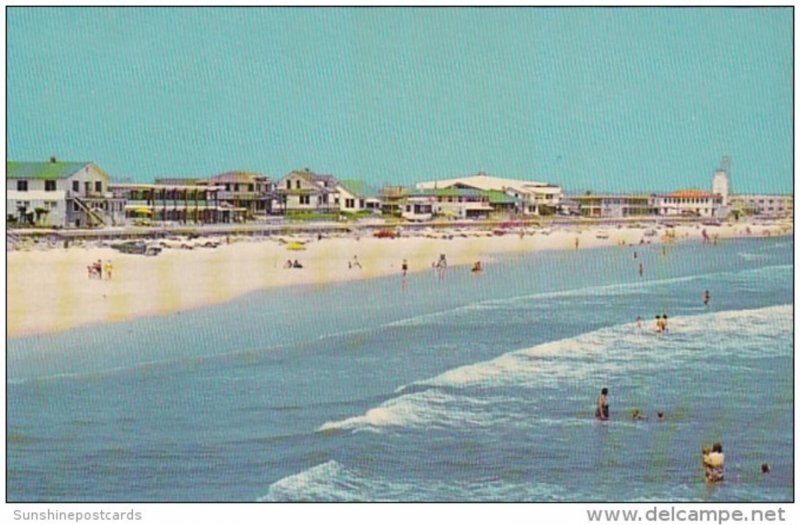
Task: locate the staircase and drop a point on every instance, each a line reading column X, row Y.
column 12, row 241
column 99, row 219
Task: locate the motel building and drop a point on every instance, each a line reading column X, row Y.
column 689, row 203
column 612, row 206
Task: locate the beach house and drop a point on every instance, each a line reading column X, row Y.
column 305, row 191
column 535, row 198
column 393, row 200
column 357, row 196
column 253, row 193
column 60, row 194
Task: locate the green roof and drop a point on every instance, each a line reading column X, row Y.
column 499, row 197
column 359, row 188
column 42, row 170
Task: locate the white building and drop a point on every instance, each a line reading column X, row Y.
column 305, row 191
column 357, row 196
column 534, row 196
column 60, row 194
column 767, row 205
column 689, row 203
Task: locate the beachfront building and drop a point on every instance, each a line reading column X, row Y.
column 607, row 206
column 251, row 192
column 457, row 203
column 418, row 207
column 305, row 191
column 176, row 201
column 357, row 196
column 393, row 200
column 60, row 194
column 764, row 205
column 689, row 203
column 535, row 198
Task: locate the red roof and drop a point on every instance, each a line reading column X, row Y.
column 690, row 194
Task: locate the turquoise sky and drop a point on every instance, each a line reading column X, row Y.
column 601, row 99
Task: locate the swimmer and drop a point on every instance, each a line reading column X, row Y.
column 477, row 267
column 638, row 322
column 765, row 468
column 661, row 416
column 636, row 415
column 659, row 327
column 641, row 269
column 714, row 463
column 602, row 405
column 706, row 298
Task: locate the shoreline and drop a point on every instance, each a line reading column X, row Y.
column 48, row 290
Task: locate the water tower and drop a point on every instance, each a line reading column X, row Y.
column 721, row 185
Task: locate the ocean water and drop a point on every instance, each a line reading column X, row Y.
column 466, row 388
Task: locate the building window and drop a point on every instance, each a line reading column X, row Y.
column 297, row 184
column 305, row 199
column 49, row 185
column 288, row 185
column 22, row 185
column 250, row 188
column 349, row 203
column 75, row 206
column 361, row 203
column 98, row 186
column 76, row 185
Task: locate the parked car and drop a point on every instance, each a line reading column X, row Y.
column 138, row 248
column 385, row 234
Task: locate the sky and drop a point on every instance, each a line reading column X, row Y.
column 607, row 100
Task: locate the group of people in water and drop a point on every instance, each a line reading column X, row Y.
column 97, row 268
column 713, row 458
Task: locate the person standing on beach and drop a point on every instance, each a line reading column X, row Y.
column 706, row 298
column 404, row 268
column 577, row 243
column 601, row 412
column 109, row 268
column 441, row 266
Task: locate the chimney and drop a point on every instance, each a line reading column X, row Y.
column 53, row 159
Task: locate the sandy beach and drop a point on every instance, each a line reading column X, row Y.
column 48, row 290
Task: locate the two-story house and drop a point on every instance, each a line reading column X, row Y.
column 306, row 191
column 251, row 192
column 61, row 194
